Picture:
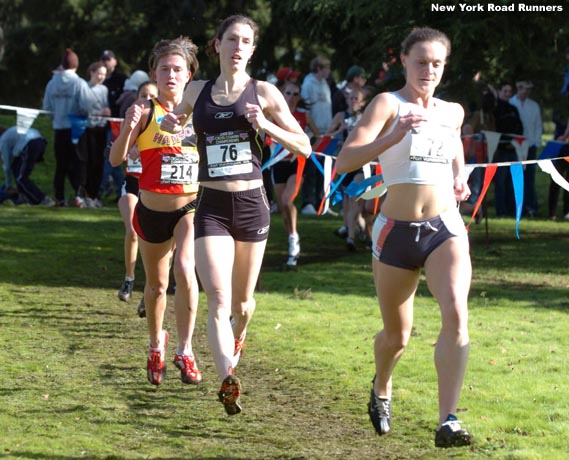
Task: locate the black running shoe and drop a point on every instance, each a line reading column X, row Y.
column 379, row 410
column 142, row 309
column 126, row 290
column 350, row 245
column 451, row 434
column 341, row 232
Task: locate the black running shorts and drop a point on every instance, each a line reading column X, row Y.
column 283, row 170
column 244, row 215
column 158, row 226
column 130, row 185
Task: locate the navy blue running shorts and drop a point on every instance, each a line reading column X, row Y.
column 408, row 244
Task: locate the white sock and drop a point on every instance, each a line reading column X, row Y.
column 187, row 351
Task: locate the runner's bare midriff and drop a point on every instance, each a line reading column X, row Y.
column 426, row 200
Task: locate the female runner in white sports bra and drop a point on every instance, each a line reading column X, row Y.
column 417, row 140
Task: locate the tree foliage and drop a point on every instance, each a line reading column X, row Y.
column 497, row 44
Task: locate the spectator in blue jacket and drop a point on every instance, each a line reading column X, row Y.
column 66, row 94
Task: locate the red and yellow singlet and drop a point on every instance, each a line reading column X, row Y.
column 169, row 161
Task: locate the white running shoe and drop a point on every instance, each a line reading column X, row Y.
column 293, row 245
column 292, row 261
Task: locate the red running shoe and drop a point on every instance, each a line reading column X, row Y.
column 238, row 350
column 189, row 369
column 229, row 395
column 156, row 366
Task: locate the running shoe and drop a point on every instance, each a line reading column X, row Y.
column 126, row 290
column 229, row 395
column 379, row 410
column 292, row 261
column 350, row 245
column 341, row 232
column 451, row 434
column 78, row 202
column 293, row 245
column 156, row 365
column 142, row 308
column 189, row 369
column 47, row 201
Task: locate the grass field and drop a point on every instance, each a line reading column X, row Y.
column 72, row 356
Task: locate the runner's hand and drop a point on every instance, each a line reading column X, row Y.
column 173, row 123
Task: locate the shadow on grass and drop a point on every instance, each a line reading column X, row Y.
column 84, row 248
column 31, row 455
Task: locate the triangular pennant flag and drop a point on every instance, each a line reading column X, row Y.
column 25, row 118
column 489, row 173
column 321, row 146
column 333, row 147
column 275, row 158
column 519, row 139
column 376, row 199
column 329, row 174
column 518, row 181
column 374, row 192
column 78, row 127
column 468, row 168
column 551, row 150
column 522, row 146
column 300, row 163
column 115, row 128
column 316, row 162
column 357, row 188
column 548, row 167
column 492, row 141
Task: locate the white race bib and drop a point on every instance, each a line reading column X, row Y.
column 133, row 166
column 228, row 154
column 430, row 144
column 179, row 168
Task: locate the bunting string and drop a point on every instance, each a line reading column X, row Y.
column 373, row 187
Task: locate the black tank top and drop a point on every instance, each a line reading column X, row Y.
column 229, row 147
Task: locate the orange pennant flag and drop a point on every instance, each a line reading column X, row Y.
column 489, row 173
column 300, row 163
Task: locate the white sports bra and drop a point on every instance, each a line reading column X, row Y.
column 424, row 155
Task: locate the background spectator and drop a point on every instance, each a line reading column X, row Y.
column 507, row 121
column 66, row 94
column 20, row 153
column 316, row 93
column 530, row 114
column 114, row 81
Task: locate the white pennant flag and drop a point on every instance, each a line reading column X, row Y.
column 468, row 168
column 521, row 149
column 492, row 140
column 374, row 192
column 548, row 167
column 327, row 179
column 25, row 119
